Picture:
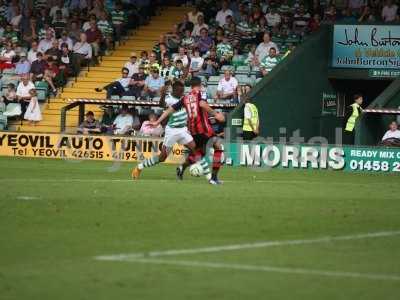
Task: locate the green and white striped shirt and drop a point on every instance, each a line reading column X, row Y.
column 118, row 17
column 179, row 118
column 225, row 50
column 105, row 27
column 268, row 63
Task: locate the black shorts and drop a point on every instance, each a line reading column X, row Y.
column 201, row 140
column 248, row 135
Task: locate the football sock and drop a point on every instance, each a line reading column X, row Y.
column 217, row 162
column 206, row 168
column 149, row 162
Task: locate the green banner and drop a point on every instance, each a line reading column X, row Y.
column 346, row 158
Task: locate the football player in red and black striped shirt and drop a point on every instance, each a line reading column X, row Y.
column 199, row 126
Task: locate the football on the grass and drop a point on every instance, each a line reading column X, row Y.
column 196, row 170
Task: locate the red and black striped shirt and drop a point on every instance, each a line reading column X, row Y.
column 198, row 122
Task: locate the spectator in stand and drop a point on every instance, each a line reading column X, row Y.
column 367, row 15
column 23, row 92
column 107, row 119
column 173, row 39
column 178, row 71
column 223, row 13
column 138, row 82
column 132, row 65
column 224, row 51
column 119, row 87
column 390, row 12
column 33, row 113
column 82, row 52
column 209, row 68
column 46, row 43
column 196, row 62
column 106, row 30
column 194, row 15
column 269, row 62
column 23, row 66
column 65, row 39
column 315, row 23
column 65, row 61
column 153, row 84
column 273, row 17
column 182, row 57
column 6, row 57
column 263, row 48
column 118, row 19
column 163, row 52
column 30, row 33
column 54, row 51
column 252, row 58
column 89, row 125
column 356, row 5
column 199, row 26
column 94, row 37
column 392, row 133
column 74, row 31
column 59, row 6
column 166, row 69
column 204, row 42
column 59, row 23
column 38, row 67
column 51, row 73
column 301, row 20
column 330, row 14
column 188, row 40
column 123, row 122
column 185, row 25
column 227, row 87
column 148, row 129
column 348, row 16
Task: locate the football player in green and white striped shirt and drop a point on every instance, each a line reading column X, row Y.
column 269, row 62
column 176, row 132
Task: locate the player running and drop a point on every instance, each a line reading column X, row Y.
column 198, row 112
column 176, row 132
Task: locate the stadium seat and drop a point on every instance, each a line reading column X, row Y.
column 42, row 88
column 115, row 97
column 227, row 67
column 243, row 79
column 2, row 107
column 128, row 98
column 3, row 121
column 243, row 70
column 211, row 91
column 213, row 79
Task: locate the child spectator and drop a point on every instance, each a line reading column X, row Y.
column 148, row 129
column 90, row 125
column 196, row 62
column 33, row 113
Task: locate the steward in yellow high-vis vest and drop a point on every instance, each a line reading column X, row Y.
column 352, row 114
column 251, row 122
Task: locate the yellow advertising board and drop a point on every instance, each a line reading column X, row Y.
column 88, row 147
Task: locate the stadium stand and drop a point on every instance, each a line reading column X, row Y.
column 250, row 38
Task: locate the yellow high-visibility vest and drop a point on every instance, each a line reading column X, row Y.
column 351, row 122
column 254, row 118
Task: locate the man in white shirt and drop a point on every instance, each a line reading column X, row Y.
column 132, row 65
column 46, row 43
column 82, row 51
column 65, row 39
column 123, row 122
column 227, row 87
column 118, row 87
column 393, row 132
column 264, row 47
column 389, row 11
column 22, row 93
column 32, row 54
column 223, row 13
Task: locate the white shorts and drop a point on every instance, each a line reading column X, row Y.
column 174, row 136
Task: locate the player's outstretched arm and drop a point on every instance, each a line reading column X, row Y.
column 164, row 115
column 217, row 115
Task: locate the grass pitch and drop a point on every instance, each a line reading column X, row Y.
column 57, row 216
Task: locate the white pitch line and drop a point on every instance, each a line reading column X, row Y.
column 240, row 267
column 264, row 244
